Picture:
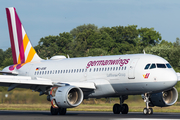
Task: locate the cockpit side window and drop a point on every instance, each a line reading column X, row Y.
column 168, row 65
column 147, row 66
column 153, row 66
column 161, row 66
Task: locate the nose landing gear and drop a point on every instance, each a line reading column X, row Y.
column 147, row 110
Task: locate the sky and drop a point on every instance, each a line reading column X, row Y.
column 42, row 18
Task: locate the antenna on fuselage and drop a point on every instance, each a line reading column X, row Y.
column 144, row 52
column 68, row 56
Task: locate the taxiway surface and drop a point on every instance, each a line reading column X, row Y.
column 80, row 115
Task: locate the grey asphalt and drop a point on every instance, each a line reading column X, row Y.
column 80, row 115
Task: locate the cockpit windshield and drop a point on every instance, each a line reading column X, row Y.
column 157, row 65
column 161, row 66
column 168, row 65
column 153, row 66
column 147, row 66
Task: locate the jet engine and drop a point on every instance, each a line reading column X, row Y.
column 163, row 99
column 66, row 97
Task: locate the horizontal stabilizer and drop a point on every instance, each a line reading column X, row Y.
column 9, row 73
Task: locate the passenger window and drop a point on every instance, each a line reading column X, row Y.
column 161, row 66
column 116, row 68
column 45, row 72
column 168, row 65
column 61, row 71
column 94, row 69
column 42, row 72
column 64, row 71
column 35, row 73
column 99, row 69
column 86, row 70
column 113, row 68
column 108, row 69
column 58, row 71
column 153, row 66
column 74, row 70
column 147, row 66
column 90, row 70
column 102, row 69
column 105, row 69
column 122, row 68
column 79, row 70
column 119, row 68
column 125, row 68
column 48, row 72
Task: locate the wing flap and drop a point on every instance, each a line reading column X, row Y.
column 24, row 80
column 20, row 81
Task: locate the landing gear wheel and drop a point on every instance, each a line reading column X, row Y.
column 150, row 111
column 145, row 111
column 125, row 109
column 54, row 111
column 62, row 111
column 116, row 109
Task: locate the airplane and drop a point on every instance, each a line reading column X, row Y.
column 68, row 81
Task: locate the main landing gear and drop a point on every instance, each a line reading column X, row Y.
column 55, row 111
column 123, row 108
column 147, row 110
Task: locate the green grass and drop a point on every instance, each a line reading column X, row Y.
column 28, row 100
column 133, row 107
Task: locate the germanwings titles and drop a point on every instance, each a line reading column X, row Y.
column 67, row 81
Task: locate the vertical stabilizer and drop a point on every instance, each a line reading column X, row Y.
column 22, row 50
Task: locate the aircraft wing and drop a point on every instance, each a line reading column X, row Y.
column 38, row 84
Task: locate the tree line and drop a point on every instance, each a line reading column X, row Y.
column 89, row 40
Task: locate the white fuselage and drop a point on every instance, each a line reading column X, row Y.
column 113, row 75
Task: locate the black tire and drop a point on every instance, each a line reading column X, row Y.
column 125, row 109
column 150, row 112
column 145, row 111
column 54, row 111
column 116, row 109
column 62, row 111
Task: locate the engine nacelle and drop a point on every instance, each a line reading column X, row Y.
column 164, row 99
column 66, row 97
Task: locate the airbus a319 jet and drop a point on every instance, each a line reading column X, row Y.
column 68, row 81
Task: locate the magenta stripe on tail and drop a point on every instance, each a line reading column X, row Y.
column 11, row 36
column 20, row 38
